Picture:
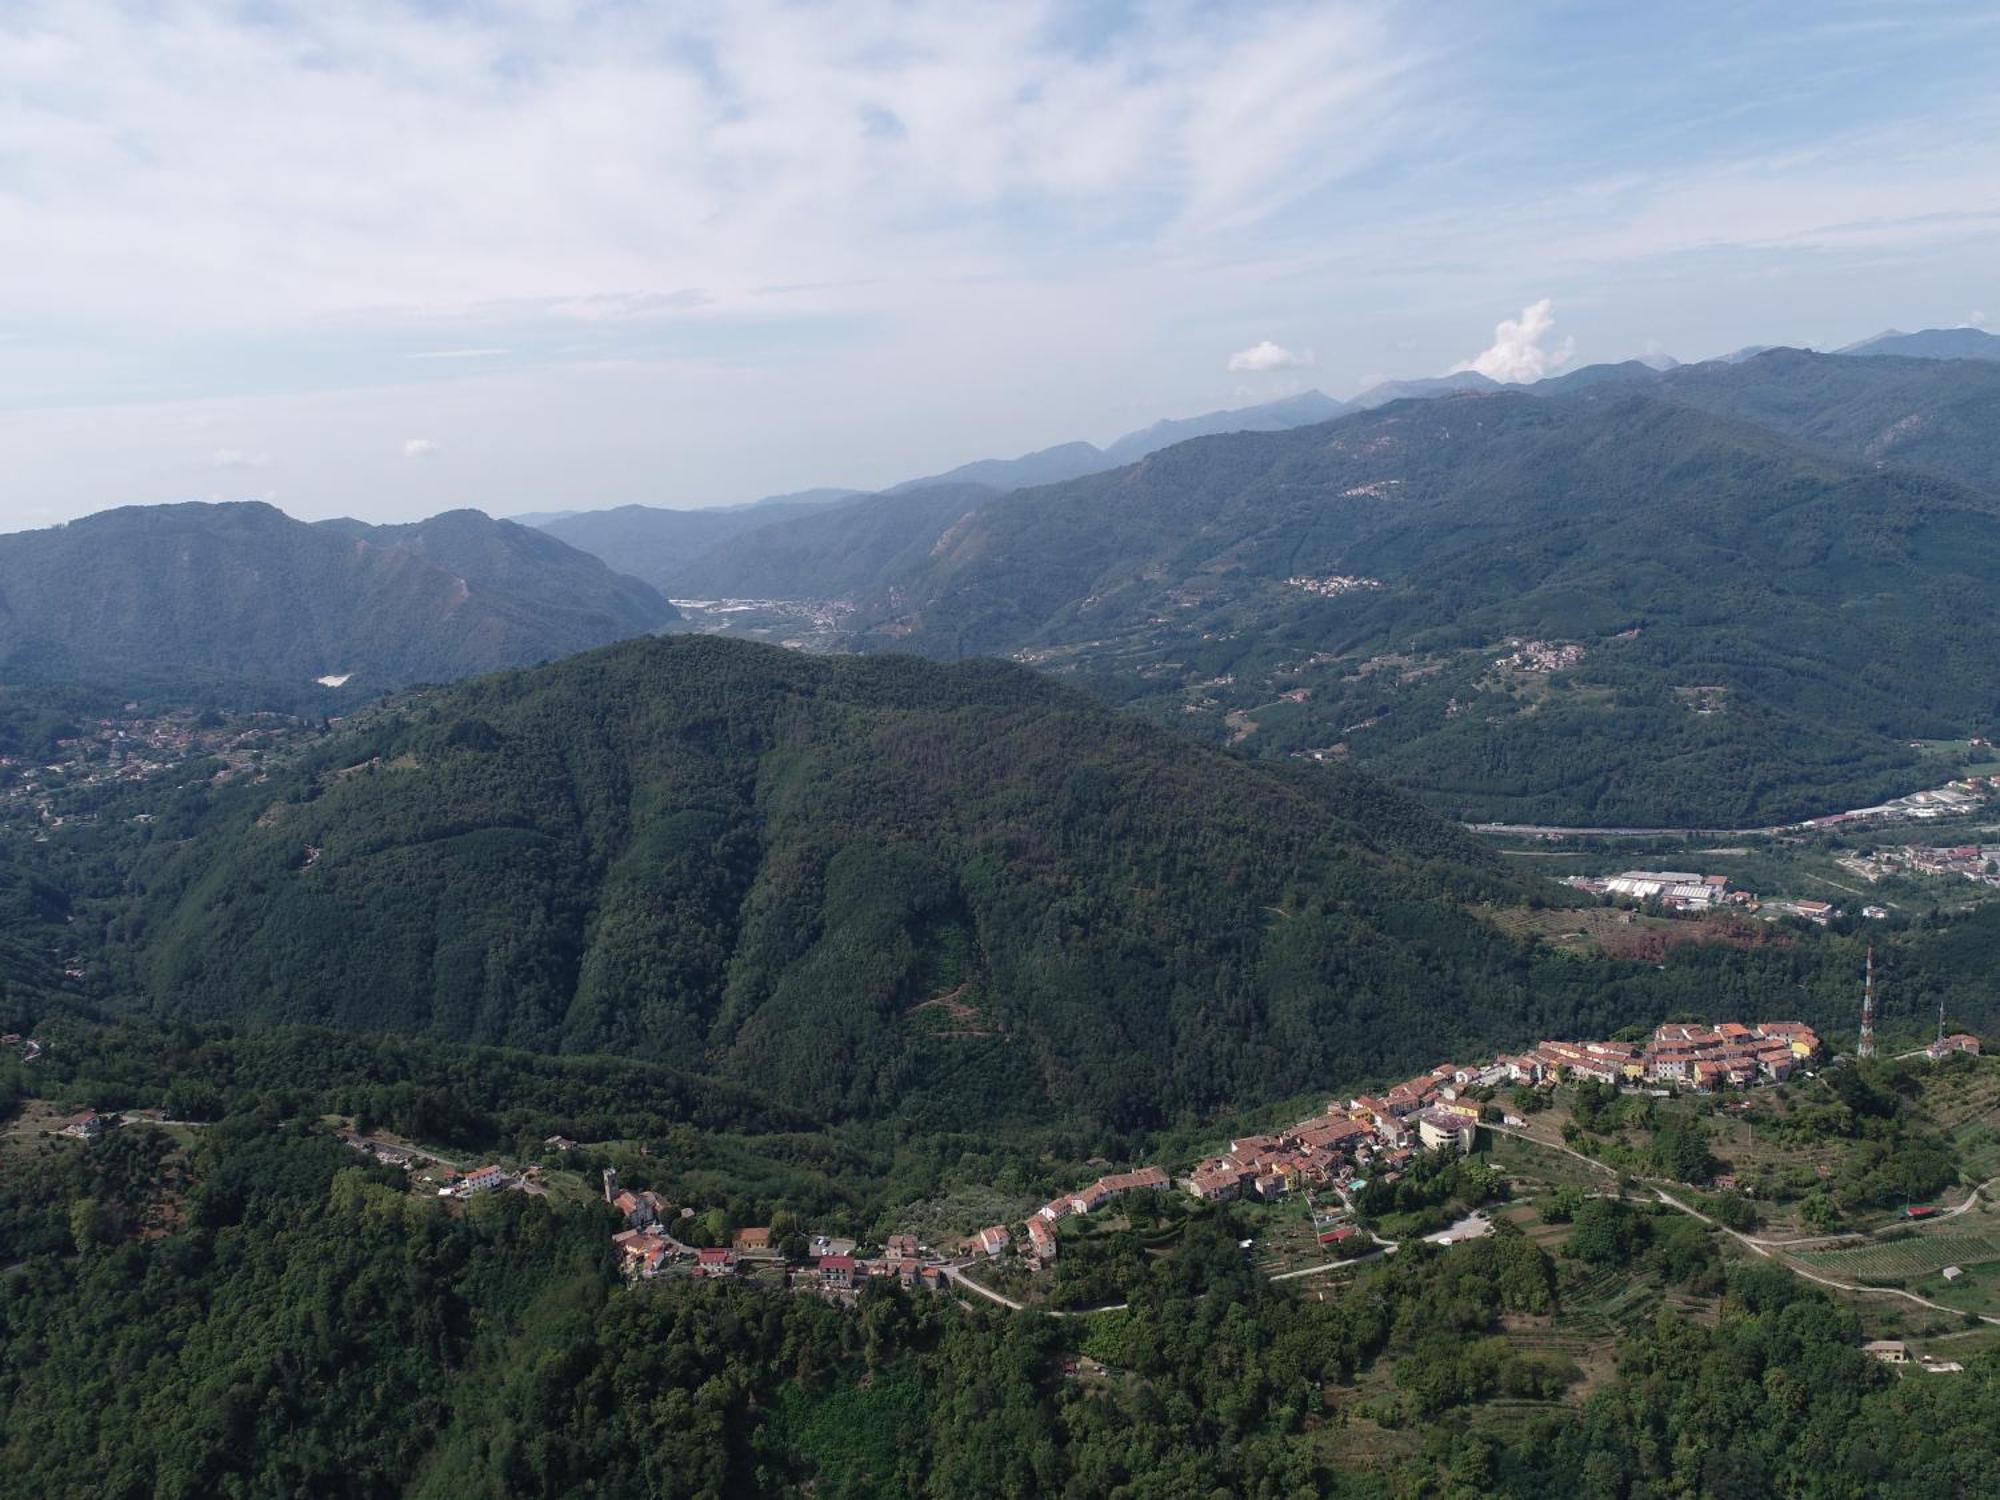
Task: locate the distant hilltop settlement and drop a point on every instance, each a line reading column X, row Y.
column 1352, row 1141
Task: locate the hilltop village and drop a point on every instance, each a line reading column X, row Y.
column 1334, row 1153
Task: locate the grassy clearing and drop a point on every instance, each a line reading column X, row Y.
column 1534, row 1169
column 1976, row 1291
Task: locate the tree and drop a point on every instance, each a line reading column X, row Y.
column 88, row 1227
column 1560, row 1207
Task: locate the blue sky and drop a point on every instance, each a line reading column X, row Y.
column 384, row 258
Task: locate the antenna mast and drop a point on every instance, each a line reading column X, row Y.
column 1867, row 1046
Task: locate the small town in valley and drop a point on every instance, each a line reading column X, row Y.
column 1978, row 863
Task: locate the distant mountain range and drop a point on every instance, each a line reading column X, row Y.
column 683, row 551
column 243, row 592
column 672, row 549
column 1931, row 343
column 1810, row 536
column 655, row 544
column 1797, row 543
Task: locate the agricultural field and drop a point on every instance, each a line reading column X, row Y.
column 1900, row 1261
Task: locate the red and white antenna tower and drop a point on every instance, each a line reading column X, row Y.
column 1867, row 1046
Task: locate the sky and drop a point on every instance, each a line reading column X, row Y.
column 388, row 257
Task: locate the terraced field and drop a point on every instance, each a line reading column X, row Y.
column 1920, row 1255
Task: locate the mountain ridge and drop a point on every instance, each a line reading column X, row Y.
column 243, row 591
column 1837, row 595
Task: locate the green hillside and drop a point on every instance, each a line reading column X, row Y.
column 857, row 883
column 1938, row 416
column 1601, row 608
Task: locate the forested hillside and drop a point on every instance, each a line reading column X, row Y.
column 1606, row 607
column 861, row 884
column 1936, row 416
column 245, row 1306
column 242, row 592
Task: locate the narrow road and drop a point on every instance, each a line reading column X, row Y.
column 1776, row 1249
column 1383, row 1247
column 956, row 1275
column 1759, row 1248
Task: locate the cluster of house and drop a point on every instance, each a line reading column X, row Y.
column 1954, row 799
column 130, row 748
column 647, row 1246
column 1429, row 1112
column 1672, row 888
column 1730, row 1055
column 1042, row 1223
column 1975, row 862
column 1435, row 1110
column 1540, row 656
column 1332, row 586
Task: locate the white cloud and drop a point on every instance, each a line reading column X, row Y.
column 457, row 354
column 294, row 160
column 1263, row 356
column 418, row 447
column 1518, row 351
column 1977, row 320
column 239, row 458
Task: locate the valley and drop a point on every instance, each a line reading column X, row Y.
column 1095, row 751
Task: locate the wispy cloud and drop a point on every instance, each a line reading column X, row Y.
column 300, row 159
column 418, row 447
column 458, row 354
column 238, row 458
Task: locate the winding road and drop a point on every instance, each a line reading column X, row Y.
column 1777, row 1249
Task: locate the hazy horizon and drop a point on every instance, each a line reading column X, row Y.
column 388, row 259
